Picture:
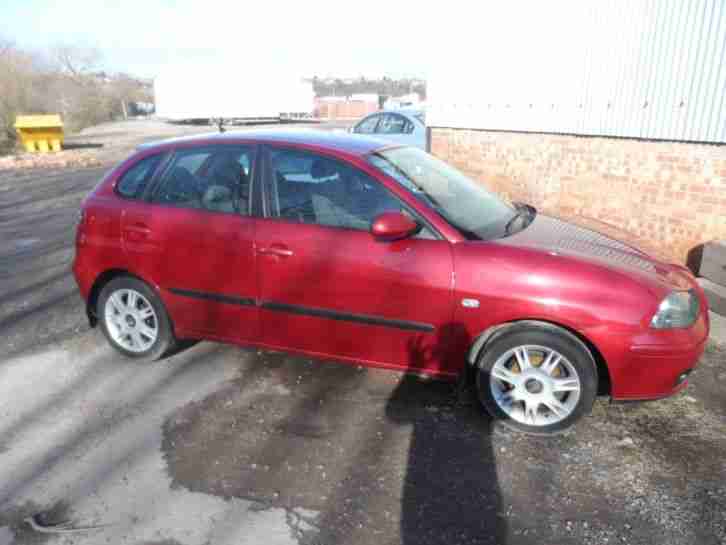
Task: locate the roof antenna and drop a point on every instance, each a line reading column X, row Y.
column 220, row 125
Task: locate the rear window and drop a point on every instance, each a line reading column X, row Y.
column 134, row 180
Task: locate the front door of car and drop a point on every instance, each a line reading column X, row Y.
column 195, row 240
column 327, row 286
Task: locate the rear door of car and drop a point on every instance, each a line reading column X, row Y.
column 107, row 213
column 327, row 286
column 193, row 236
column 397, row 128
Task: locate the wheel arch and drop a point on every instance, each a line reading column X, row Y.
column 98, row 284
column 479, row 344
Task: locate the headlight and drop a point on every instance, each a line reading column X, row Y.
column 679, row 309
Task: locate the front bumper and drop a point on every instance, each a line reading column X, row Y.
column 654, row 363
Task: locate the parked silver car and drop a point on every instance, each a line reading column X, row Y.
column 401, row 126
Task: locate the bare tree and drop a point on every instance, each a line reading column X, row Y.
column 66, row 79
column 76, row 61
column 16, row 86
column 126, row 90
column 82, row 92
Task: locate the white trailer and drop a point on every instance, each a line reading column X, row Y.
column 231, row 92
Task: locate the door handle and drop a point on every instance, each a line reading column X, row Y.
column 137, row 231
column 138, row 228
column 276, row 250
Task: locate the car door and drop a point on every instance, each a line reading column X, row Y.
column 194, row 237
column 328, row 287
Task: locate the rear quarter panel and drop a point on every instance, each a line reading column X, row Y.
column 99, row 246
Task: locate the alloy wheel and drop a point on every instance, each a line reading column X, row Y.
column 535, row 385
column 131, row 320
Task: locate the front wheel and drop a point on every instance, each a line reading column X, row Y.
column 134, row 319
column 539, row 380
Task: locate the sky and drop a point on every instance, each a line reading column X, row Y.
column 143, row 37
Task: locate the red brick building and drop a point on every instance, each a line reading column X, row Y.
column 345, row 108
column 612, row 118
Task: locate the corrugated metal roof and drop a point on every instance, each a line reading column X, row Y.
column 651, row 69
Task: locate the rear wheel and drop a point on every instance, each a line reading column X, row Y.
column 535, row 379
column 134, row 319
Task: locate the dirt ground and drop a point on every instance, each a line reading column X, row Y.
column 221, row 444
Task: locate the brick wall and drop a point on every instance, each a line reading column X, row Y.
column 666, row 197
column 347, row 109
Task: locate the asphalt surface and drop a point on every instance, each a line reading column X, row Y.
column 226, row 445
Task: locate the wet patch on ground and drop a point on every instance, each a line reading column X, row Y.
column 390, row 458
column 337, row 440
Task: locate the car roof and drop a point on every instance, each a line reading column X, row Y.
column 412, row 114
column 332, row 140
column 405, row 112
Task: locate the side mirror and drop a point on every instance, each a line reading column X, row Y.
column 393, row 226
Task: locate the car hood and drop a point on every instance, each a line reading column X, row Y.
column 556, row 236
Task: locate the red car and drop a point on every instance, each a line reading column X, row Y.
column 345, row 247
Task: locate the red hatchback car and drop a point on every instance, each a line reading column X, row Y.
column 346, row 247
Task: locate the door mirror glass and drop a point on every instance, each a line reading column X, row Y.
column 393, row 226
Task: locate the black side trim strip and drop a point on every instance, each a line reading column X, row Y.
column 307, row 311
column 218, row 297
column 347, row 317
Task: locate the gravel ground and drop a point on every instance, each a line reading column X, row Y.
column 219, row 444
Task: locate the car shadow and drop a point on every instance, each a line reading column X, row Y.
column 450, row 490
column 181, row 346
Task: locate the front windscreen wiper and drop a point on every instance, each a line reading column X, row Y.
column 523, row 211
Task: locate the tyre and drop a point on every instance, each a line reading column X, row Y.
column 134, row 319
column 536, row 379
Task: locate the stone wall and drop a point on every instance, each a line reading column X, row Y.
column 667, row 197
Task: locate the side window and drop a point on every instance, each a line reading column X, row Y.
column 324, row 191
column 192, row 161
column 134, row 180
column 368, row 125
column 212, row 178
column 392, row 124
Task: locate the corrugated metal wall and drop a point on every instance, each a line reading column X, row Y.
column 639, row 68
